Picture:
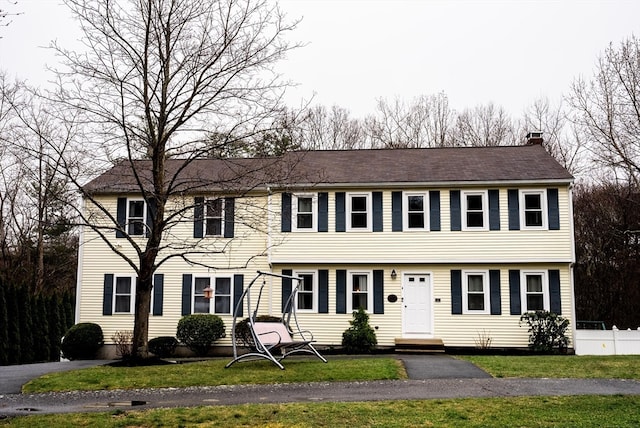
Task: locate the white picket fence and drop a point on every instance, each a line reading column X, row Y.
column 607, row 342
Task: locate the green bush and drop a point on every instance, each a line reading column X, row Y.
column 547, row 331
column 82, row 341
column 163, row 346
column 199, row 331
column 243, row 335
column 360, row 338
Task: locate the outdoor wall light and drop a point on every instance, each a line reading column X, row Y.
column 394, row 275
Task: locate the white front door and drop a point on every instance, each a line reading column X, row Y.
column 417, row 311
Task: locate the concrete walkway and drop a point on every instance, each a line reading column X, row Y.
column 447, row 378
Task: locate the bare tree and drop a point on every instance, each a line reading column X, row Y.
column 6, row 13
column 322, row 128
column 157, row 78
column 485, row 125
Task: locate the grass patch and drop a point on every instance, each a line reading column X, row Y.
column 574, row 411
column 559, row 366
column 213, row 373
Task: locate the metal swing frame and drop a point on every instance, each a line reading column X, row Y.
column 269, row 337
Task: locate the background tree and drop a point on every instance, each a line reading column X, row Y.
column 157, row 78
column 485, row 125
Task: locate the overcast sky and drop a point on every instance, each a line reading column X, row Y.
column 506, row 52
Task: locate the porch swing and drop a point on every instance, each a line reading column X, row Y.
column 266, row 338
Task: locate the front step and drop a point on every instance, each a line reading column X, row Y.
column 419, row 345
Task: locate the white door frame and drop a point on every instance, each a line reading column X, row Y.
column 428, row 309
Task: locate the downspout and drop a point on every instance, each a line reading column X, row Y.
column 80, row 265
column 269, row 242
column 572, row 265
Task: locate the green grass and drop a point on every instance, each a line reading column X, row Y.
column 212, row 373
column 573, row 411
column 559, row 366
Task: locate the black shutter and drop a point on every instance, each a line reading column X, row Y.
column 341, row 292
column 186, row 293
column 152, row 211
column 378, row 292
column 396, row 211
column 229, row 217
column 323, row 291
column 456, row 292
column 554, row 209
column 434, row 210
column 377, row 211
column 341, row 225
column 514, row 209
column 286, row 212
column 514, row 292
column 198, row 217
column 158, row 293
column 454, row 201
column 494, row 290
column 287, row 287
column 121, row 217
column 555, row 304
column 494, row 209
column 107, row 296
column 323, row 212
column 238, row 289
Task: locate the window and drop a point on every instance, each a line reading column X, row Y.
column 535, row 291
column 135, row 216
column 305, row 209
column 415, row 215
column 474, row 208
column 123, row 294
column 214, row 217
column 475, row 292
column 359, row 211
column 307, row 297
column 359, row 293
column 221, row 295
column 533, row 209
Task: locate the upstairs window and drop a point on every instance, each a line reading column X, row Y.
column 136, row 217
column 305, row 212
column 533, row 209
column 475, row 292
column 359, row 211
column 415, row 215
column 475, row 212
column 214, row 217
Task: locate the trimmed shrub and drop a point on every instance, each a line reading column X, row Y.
column 163, row 346
column 243, row 335
column 360, row 338
column 199, row 331
column 82, row 341
column 547, row 331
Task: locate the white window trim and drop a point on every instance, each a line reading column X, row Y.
column 369, row 275
column 314, row 212
column 485, row 290
column 369, row 227
column 405, row 211
column 543, row 205
column 212, row 284
column 144, row 216
column 485, row 209
column 545, row 289
column 132, row 301
column 205, row 217
column 315, row 289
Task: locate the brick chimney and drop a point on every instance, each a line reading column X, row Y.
column 534, row 138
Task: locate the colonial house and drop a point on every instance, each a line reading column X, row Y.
column 447, row 244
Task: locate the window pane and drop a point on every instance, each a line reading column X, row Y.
column 123, row 303
column 214, row 227
column 305, row 205
column 214, row 208
column 532, row 202
column 359, row 203
column 474, row 202
column 416, row 220
column 223, row 305
column 533, row 218
column 475, row 219
column 223, row 286
column 305, row 301
column 306, row 283
column 360, row 283
column 416, row 203
column 200, row 305
column 123, row 285
column 136, row 228
column 475, row 284
column 305, row 221
column 359, row 301
column 535, row 302
column 358, row 220
column 136, row 209
column 201, row 284
column 534, row 284
column 475, row 302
